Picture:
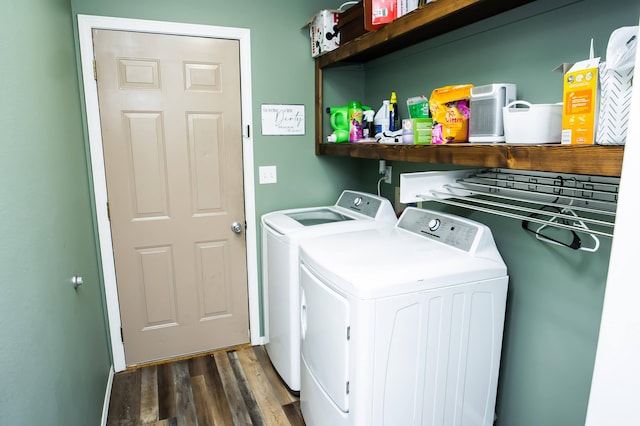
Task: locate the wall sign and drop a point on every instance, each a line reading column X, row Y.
column 278, row 119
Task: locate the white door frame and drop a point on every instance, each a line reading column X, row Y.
column 86, row 23
column 613, row 399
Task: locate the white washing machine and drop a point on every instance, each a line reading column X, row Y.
column 282, row 232
column 402, row 325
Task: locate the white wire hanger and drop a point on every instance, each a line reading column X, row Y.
column 576, row 244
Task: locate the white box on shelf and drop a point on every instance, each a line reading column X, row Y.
column 323, row 30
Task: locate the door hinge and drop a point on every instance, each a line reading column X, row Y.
column 108, row 212
column 247, row 131
column 95, row 70
column 347, row 388
column 348, row 333
column 121, row 335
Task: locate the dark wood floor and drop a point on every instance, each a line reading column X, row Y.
column 238, row 387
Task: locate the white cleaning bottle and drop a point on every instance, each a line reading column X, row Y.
column 368, row 127
column 381, row 119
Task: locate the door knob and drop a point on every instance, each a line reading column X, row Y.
column 236, row 227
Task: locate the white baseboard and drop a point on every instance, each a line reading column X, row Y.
column 107, row 397
column 259, row 341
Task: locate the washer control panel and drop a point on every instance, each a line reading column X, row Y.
column 365, row 204
column 456, row 232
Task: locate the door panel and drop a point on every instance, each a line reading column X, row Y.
column 158, row 286
column 171, row 130
column 204, row 143
column 148, row 164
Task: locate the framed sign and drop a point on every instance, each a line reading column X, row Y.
column 278, row 119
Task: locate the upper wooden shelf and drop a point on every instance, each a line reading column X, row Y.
column 433, row 19
column 430, row 20
column 594, row 160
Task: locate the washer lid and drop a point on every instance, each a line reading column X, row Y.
column 281, row 223
column 393, row 260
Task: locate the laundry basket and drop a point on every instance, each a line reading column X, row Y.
column 532, row 123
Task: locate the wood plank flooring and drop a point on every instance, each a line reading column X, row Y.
column 238, row 387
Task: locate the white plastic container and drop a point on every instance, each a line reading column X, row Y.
column 486, row 118
column 534, row 124
column 381, row 119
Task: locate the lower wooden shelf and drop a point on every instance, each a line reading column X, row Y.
column 597, row 160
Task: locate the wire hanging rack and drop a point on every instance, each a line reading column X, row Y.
column 580, row 203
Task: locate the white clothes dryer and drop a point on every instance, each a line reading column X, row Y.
column 282, row 232
column 402, row 325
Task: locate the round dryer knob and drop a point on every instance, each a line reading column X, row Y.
column 357, row 201
column 434, row 224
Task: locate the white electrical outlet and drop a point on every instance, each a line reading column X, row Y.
column 268, row 174
column 387, row 174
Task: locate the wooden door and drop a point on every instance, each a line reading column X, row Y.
column 171, row 129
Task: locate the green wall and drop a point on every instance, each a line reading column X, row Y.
column 54, row 357
column 556, row 294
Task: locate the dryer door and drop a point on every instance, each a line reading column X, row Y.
column 324, row 317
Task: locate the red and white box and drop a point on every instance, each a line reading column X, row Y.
column 323, row 30
column 379, row 12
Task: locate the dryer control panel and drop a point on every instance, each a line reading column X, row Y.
column 450, row 230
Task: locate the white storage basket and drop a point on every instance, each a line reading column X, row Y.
column 535, row 124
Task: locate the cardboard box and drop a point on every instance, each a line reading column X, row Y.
column 422, row 131
column 323, row 30
column 406, row 6
column 580, row 103
column 378, row 13
column 417, row 131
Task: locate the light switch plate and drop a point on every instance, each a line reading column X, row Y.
column 268, row 174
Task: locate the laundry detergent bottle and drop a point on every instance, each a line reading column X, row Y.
column 339, row 119
column 355, row 121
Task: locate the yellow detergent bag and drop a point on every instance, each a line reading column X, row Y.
column 449, row 108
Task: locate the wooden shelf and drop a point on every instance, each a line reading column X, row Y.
column 423, row 23
column 594, row 160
